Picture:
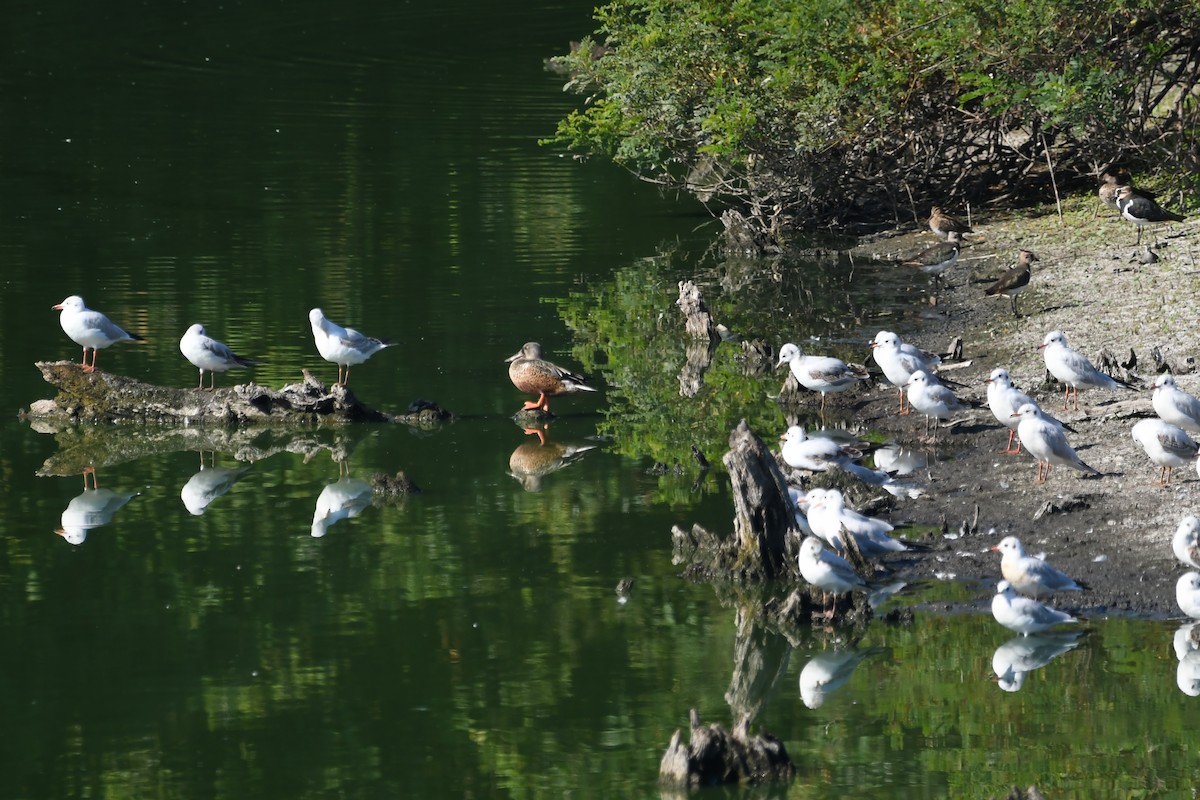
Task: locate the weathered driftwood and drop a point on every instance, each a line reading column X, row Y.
column 104, row 397
column 699, row 323
column 714, row 756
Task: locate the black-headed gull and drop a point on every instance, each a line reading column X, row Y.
column 1175, row 405
column 831, row 520
column 1186, row 541
column 1044, row 440
column 1187, row 593
column 1167, row 445
column 1023, row 614
column 342, row 346
column 1004, row 399
column 935, row 401
column 1030, row 575
column 206, row 353
column 813, row 453
column 822, row 374
column 90, row 329
column 1072, row 369
column 899, row 360
column 827, row 571
column 532, row 374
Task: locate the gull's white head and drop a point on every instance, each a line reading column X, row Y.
column 1055, row 338
column 1028, row 411
column 999, row 377
column 919, row 378
column 886, row 339
column 72, row 303
column 787, row 354
column 1164, row 381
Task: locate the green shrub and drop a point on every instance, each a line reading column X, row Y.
column 802, row 111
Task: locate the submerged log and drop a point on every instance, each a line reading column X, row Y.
column 105, row 397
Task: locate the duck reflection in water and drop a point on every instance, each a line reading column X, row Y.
column 91, row 509
column 1023, row 654
column 827, row 672
column 1187, row 650
column 341, row 500
column 534, row 460
column 208, row 484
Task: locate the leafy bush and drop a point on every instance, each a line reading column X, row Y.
column 800, row 111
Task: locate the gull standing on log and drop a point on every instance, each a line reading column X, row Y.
column 342, row 346
column 822, row 374
column 207, row 353
column 830, row 573
column 1072, row 369
column 89, row 328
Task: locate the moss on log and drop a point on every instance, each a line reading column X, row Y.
column 105, row 397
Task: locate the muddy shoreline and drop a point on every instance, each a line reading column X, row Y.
column 1112, row 532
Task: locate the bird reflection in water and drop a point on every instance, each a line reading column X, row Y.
column 1187, row 650
column 533, row 460
column 344, row 499
column 91, row 509
column 208, row 484
column 1020, row 655
column 828, row 671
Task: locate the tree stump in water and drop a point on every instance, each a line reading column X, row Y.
column 105, row 397
column 714, row 756
column 699, row 324
column 762, row 510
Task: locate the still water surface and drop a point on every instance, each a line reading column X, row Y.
column 238, row 164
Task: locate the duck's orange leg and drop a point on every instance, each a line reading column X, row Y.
column 541, row 403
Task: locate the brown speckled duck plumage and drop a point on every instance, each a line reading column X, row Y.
column 532, row 374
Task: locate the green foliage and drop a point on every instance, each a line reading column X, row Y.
column 818, row 106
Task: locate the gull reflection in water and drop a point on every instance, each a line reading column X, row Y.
column 534, row 460
column 826, row 672
column 1021, row 655
column 341, row 500
column 896, row 460
column 1187, row 650
column 208, row 484
column 93, row 508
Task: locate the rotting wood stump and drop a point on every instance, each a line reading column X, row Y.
column 108, row 398
column 714, row 756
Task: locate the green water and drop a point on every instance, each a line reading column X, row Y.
column 238, row 164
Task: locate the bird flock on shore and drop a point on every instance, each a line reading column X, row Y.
column 827, row 523
column 829, row 526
